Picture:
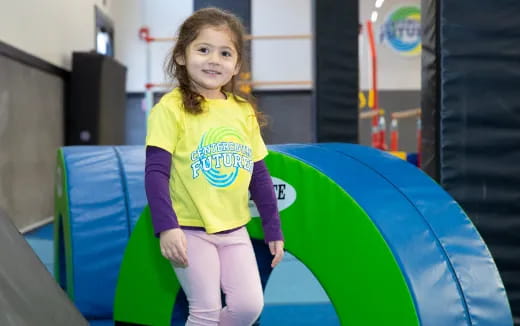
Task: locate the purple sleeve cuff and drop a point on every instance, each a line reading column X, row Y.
column 262, row 193
column 157, row 186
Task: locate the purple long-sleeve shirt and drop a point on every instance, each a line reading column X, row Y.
column 157, row 178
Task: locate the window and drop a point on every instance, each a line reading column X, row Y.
column 104, row 34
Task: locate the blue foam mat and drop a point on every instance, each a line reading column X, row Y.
column 102, row 322
column 300, row 315
column 132, row 161
column 416, row 249
column 98, row 226
column 473, row 265
column 292, row 297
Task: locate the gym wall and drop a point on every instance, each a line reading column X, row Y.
column 391, row 101
column 292, row 59
column 283, row 108
column 51, row 30
column 36, row 43
column 399, row 74
column 279, row 106
column 31, row 129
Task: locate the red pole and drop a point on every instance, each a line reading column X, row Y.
column 144, row 34
column 373, row 56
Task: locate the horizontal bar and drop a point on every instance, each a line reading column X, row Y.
column 369, row 114
column 406, row 114
column 248, row 37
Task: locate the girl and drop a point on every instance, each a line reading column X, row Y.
column 204, row 152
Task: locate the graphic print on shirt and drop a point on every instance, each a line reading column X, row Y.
column 220, row 156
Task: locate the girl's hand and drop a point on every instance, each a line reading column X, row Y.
column 173, row 247
column 276, row 248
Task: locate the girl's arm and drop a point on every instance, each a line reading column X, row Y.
column 156, row 180
column 262, row 193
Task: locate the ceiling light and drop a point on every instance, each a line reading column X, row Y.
column 374, row 16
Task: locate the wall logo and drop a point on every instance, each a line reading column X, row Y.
column 402, row 31
column 220, row 156
column 285, row 193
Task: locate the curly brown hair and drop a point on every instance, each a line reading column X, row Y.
column 188, row 32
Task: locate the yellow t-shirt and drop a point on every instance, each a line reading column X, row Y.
column 212, row 158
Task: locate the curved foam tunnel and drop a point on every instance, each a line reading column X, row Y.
column 387, row 244
column 99, row 196
column 369, row 227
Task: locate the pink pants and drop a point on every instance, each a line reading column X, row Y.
column 218, row 261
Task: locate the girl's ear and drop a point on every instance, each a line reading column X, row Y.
column 237, row 69
column 180, row 60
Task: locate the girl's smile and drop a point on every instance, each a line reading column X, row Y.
column 211, row 72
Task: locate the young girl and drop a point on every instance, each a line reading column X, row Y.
column 204, row 152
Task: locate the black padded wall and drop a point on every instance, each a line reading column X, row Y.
column 430, row 97
column 336, row 62
column 96, row 114
column 478, row 67
column 242, row 9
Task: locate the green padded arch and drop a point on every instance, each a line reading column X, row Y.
column 324, row 228
column 62, row 237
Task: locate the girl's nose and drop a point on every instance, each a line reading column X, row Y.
column 214, row 58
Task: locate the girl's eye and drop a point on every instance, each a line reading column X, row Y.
column 203, row 50
column 226, row 54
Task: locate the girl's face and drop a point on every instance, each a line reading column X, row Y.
column 211, row 61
